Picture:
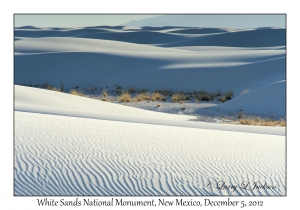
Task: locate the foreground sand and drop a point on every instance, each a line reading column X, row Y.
column 57, row 154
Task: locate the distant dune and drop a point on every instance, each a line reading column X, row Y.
column 223, row 61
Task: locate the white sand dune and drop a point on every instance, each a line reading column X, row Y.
column 70, row 145
column 244, row 38
column 269, row 99
column 41, row 101
column 67, row 155
column 142, row 65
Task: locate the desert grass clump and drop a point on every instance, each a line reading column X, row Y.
column 178, row 97
column 56, row 89
column 46, row 86
column 158, row 97
column 145, row 96
column 204, row 96
column 228, row 95
column 76, row 92
column 125, row 97
column 104, row 93
column 256, row 120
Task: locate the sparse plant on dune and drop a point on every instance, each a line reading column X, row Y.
column 104, row 93
column 178, row 97
column 56, row 89
column 61, row 87
column 76, row 92
column 47, row 86
column 145, row 96
column 125, row 97
column 228, row 95
column 244, row 119
column 262, row 122
column 158, row 97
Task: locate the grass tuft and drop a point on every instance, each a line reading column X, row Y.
column 158, row 97
column 178, row 97
column 125, row 97
column 76, row 92
column 228, row 95
column 145, row 96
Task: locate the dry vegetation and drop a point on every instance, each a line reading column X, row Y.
column 131, row 94
column 178, row 97
column 144, row 96
column 158, row 97
column 104, row 93
column 255, row 120
column 76, row 92
column 227, row 96
column 125, row 97
column 262, row 122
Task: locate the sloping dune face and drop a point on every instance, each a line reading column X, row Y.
column 177, row 58
column 60, row 153
column 70, row 145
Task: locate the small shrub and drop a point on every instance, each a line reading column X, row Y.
column 158, row 97
column 104, row 93
column 158, row 105
column 222, row 99
column 46, row 85
column 256, row 120
column 164, row 92
column 125, row 97
column 178, row 97
column 204, row 96
column 228, row 95
column 61, row 87
column 145, row 96
column 76, row 92
column 56, row 89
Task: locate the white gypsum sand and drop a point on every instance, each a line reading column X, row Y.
column 58, row 155
column 71, row 145
column 64, row 155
